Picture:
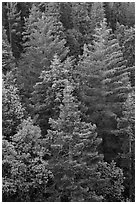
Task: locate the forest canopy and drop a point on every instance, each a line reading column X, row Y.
column 68, row 102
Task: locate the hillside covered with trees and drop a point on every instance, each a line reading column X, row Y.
column 68, row 101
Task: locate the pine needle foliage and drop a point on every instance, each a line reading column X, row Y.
column 44, row 38
column 73, row 145
column 7, row 56
column 104, row 82
column 14, row 28
column 25, row 176
column 48, row 93
column 126, row 132
column 12, row 109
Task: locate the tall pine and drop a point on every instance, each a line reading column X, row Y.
column 44, row 38
column 73, row 146
column 104, row 86
column 126, row 132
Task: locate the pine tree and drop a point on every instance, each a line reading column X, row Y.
column 78, row 20
column 126, row 132
column 112, row 188
column 96, row 15
column 44, row 39
column 73, row 146
column 104, row 86
column 85, row 17
column 48, row 93
column 13, row 20
column 14, row 28
column 126, row 38
column 122, row 12
column 110, row 16
column 12, row 110
column 25, row 176
column 7, row 56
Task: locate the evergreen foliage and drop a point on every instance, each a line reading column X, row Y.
column 12, row 110
column 78, row 20
column 96, row 15
column 7, row 57
column 13, row 15
column 126, row 133
column 85, row 17
column 122, row 12
column 112, row 188
column 47, row 94
column 126, row 37
column 68, row 101
column 44, row 39
column 73, row 145
column 25, row 176
column 14, row 28
column 50, row 8
column 104, row 85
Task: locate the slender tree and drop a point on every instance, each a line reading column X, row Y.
column 44, row 39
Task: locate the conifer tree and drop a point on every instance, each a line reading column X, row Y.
column 14, row 28
column 73, row 146
column 48, row 93
column 7, row 56
column 50, row 8
column 13, row 20
column 78, row 20
column 88, row 16
column 122, row 12
column 12, row 109
column 126, row 38
column 112, row 188
column 96, row 15
column 104, row 85
column 25, row 176
column 44, row 39
column 85, row 16
column 126, row 132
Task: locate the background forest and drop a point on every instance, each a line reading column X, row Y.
column 68, row 101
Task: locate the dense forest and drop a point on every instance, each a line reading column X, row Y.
column 68, row 101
